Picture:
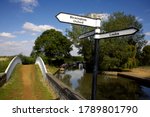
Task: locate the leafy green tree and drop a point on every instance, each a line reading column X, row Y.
column 85, row 45
column 52, row 44
column 146, row 55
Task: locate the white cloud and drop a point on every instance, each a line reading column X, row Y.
column 148, row 43
column 16, row 47
column 139, row 19
column 7, row 35
column 37, row 28
column 27, row 5
column 104, row 16
column 147, row 33
column 19, row 32
column 75, row 50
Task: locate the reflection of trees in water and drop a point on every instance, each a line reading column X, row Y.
column 118, row 89
column 110, row 88
column 66, row 79
column 85, row 86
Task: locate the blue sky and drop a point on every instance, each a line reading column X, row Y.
column 22, row 21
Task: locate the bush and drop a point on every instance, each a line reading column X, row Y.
column 27, row 60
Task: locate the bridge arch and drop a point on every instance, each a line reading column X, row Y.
column 16, row 60
column 42, row 66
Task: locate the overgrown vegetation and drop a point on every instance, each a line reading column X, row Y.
column 26, row 60
column 4, row 62
column 74, row 59
column 52, row 69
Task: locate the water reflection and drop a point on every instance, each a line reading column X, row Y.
column 108, row 87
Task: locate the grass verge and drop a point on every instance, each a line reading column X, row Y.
column 51, row 69
column 13, row 88
column 3, row 65
column 41, row 89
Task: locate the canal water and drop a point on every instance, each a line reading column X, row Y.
column 108, row 87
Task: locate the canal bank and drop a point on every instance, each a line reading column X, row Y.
column 140, row 75
column 139, row 79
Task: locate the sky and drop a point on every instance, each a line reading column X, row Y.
column 22, row 21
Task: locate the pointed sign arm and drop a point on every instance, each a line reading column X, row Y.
column 79, row 20
column 87, row 34
column 124, row 32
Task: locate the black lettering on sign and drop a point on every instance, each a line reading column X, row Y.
column 114, row 34
column 78, row 21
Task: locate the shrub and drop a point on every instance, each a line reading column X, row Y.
column 27, row 60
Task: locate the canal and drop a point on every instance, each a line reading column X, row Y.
column 108, row 87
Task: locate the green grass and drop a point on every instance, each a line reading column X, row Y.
column 42, row 90
column 13, row 88
column 4, row 62
column 51, row 69
column 3, row 66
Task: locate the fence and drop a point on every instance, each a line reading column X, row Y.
column 16, row 60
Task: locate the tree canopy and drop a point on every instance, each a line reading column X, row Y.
column 52, row 44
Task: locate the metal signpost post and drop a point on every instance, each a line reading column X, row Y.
column 85, row 21
column 96, row 59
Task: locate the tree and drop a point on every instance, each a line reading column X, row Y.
column 53, row 45
column 85, row 45
column 121, row 52
column 146, row 55
column 115, row 53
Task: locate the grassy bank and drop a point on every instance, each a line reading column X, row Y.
column 52, row 69
column 41, row 88
column 4, row 62
column 13, row 88
column 143, row 71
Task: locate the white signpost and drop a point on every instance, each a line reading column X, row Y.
column 129, row 31
column 76, row 19
column 85, row 21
